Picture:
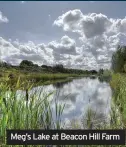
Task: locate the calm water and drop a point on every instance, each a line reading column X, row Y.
column 81, row 96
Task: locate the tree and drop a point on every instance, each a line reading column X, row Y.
column 44, row 66
column 26, row 63
column 93, row 72
column 58, row 67
column 4, row 64
column 101, row 71
column 119, row 59
column 36, row 65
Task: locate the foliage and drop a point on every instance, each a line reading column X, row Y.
column 58, row 67
column 26, row 63
column 29, row 67
column 93, row 72
column 119, row 59
column 44, row 66
column 118, row 84
column 118, row 81
column 101, row 71
column 4, row 64
column 26, row 110
column 125, row 67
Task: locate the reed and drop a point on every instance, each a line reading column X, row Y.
column 26, row 111
column 118, row 84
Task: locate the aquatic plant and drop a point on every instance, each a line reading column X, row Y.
column 29, row 111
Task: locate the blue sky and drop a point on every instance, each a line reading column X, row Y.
column 32, row 34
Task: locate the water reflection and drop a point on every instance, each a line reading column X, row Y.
column 61, row 84
column 104, row 79
column 82, row 97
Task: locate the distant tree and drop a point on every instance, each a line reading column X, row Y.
column 58, row 67
column 93, row 72
column 36, row 65
column 1, row 64
column 26, row 63
column 86, row 71
column 119, row 59
column 44, row 66
column 101, row 71
column 50, row 67
column 5, row 64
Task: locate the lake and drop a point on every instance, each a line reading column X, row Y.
column 83, row 98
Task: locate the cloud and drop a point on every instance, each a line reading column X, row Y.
column 94, row 25
column 99, row 35
column 89, row 25
column 63, row 52
column 54, row 52
column 65, row 46
column 62, row 49
column 3, row 19
column 70, row 20
column 15, row 52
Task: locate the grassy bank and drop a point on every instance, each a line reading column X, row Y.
column 118, row 84
column 11, row 76
column 6, row 74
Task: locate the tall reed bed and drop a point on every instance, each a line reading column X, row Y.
column 26, row 111
column 118, row 84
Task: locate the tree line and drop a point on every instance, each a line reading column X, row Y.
column 118, row 64
column 30, row 66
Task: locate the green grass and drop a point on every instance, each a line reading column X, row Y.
column 106, row 76
column 118, row 84
column 46, row 77
column 35, row 77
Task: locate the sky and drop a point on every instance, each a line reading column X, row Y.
column 76, row 34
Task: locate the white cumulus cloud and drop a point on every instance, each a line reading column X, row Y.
column 99, row 37
column 3, row 19
column 99, row 34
